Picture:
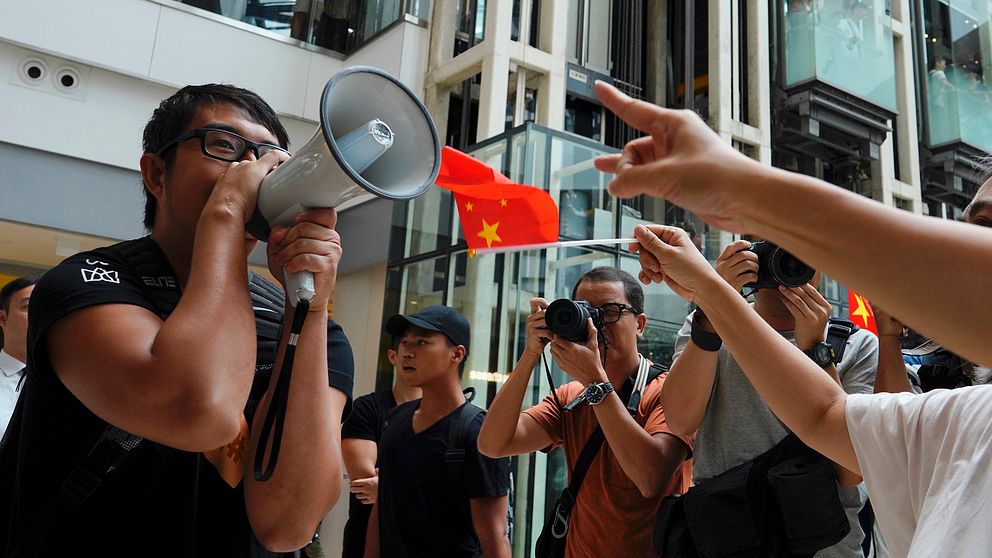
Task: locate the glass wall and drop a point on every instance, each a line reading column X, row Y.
column 958, row 50
column 588, row 36
column 843, row 43
column 430, row 265
column 339, row 25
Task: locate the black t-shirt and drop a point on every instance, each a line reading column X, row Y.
column 368, row 413
column 423, row 512
column 161, row 501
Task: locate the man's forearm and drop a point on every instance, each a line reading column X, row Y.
column 871, row 248
column 372, row 534
column 209, row 339
column 496, row 547
column 504, row 412
column 308, row 477
column 688, row 388
column 844, row 476
column 809, row 402
column 639, row 454
column 891, row 376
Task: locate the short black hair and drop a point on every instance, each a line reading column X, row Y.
column 631, row 288
column 172, row 117
column 8, row 290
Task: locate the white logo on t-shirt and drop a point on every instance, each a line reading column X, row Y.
column 98, row 274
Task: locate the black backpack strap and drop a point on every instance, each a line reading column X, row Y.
column 109, row 452
column 454, row 455
column 458, row 434
column 267, row 304
column 628, row 395
column 838, row 331
column 566, row 502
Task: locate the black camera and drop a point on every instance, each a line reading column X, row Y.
column 569, row 318
column 778, row 267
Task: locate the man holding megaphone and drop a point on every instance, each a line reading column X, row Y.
column 142, row 404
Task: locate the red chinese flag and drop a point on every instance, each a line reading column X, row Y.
column 494, row 211
column 860, row 312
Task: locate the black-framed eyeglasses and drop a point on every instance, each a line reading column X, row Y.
column 612, row 311
column 222, row 145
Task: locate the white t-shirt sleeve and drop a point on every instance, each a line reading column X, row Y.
column 924, row 458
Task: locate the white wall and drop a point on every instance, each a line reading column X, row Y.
column 133, row 53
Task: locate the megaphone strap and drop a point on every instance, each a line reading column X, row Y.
column 275, row 416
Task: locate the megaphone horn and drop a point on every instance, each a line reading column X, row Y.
column 375, row 139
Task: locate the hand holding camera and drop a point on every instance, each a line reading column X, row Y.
column 778, row 267
column 811, row 312
column 738, row 265
column 537, row 330
column 576, row 325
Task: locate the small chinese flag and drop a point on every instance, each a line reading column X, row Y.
column 860, row 312
column 494, row 211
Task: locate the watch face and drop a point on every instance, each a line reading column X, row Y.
column 594, row 393
column 824, row 354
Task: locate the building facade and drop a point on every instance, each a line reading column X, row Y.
column 888, row 98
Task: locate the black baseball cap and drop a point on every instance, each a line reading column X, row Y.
column 444, row 319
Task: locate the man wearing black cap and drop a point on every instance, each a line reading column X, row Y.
column 426, row 506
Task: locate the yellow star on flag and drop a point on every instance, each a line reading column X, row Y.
column 502, row 203
column 469, row 206
column 862, row 310
column 489, row 233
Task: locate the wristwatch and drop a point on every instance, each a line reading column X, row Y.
column 822, row 353
column 595, row 393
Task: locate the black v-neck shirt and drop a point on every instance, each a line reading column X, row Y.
column 423, row 511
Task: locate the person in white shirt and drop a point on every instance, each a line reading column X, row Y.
column 924, row 457
column 14, row 322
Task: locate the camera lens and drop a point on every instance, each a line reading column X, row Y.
column 789, row 270
column 567, row 319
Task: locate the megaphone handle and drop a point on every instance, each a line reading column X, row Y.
column 299, row 286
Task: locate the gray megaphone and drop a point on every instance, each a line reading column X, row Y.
column 375, row 139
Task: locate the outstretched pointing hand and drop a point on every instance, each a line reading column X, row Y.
column 681, row 160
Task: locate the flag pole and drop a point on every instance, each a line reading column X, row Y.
column 560, row 244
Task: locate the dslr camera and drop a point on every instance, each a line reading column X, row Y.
column 569, row 318
column 778, row 267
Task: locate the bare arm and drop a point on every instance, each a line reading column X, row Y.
column 285, row 510
column 182, row 382
column 685, row 163
column 372, row 534
column 647, row 460
column 807, row 401
column 359, row 461
column 505, row 430
column 489, row 522
column 690, row 381
column 892, row 376
column 689, row 386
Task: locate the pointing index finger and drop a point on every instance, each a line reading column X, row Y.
column 640, row 114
